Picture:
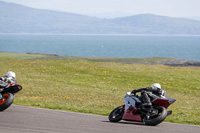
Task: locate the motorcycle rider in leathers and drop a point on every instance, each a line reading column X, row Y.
column 146, row 96
column 10, row 77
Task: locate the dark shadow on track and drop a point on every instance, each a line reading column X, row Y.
column 127, row 122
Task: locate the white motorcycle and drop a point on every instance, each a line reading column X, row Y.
column 133, row 110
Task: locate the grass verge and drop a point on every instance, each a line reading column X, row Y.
column 99, row 87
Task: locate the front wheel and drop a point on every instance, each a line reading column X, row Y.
column 7, row 101
column 158, row 117
column 117, row 114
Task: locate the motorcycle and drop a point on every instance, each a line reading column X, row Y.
column 133, row 110
column 8, row 92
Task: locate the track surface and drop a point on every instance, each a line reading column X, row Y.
column 21, row 119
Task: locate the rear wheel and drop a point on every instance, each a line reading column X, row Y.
column 117, row 114
column 6, row 101
column 158, row 117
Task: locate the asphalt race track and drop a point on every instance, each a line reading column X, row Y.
column 21, row 119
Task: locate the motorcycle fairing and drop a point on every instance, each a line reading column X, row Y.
column 130, row 101
column 12, row 88
column 161, row 102
column 130, row 116
column 165, row 102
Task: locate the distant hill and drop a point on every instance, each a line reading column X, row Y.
column 153, row 24
column 16, row 18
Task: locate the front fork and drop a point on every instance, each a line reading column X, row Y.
column 122, row 107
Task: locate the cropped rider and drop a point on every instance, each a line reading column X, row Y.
column 146, row 96
column 7, row 79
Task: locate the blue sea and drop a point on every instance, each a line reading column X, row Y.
column 184, row 47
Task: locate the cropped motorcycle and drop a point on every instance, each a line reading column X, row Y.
column 8, row 92
column 133, row 110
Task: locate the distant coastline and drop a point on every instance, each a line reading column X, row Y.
column 147, row 61
column 102, row 45
column 16, row 20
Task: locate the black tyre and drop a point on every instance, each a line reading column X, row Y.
column 158, row 118
column 116, row 115
column 7, row 101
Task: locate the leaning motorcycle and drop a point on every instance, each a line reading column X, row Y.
column 133, row 110
column 8, row 92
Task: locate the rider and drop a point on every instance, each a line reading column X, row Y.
column 7, row 79
column 146, row 96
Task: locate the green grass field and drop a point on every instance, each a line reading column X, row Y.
column 98, row 87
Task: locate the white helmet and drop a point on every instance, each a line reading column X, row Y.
column 10, row 74
column 156, row 85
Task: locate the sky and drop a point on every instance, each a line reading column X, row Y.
column 117, row 8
